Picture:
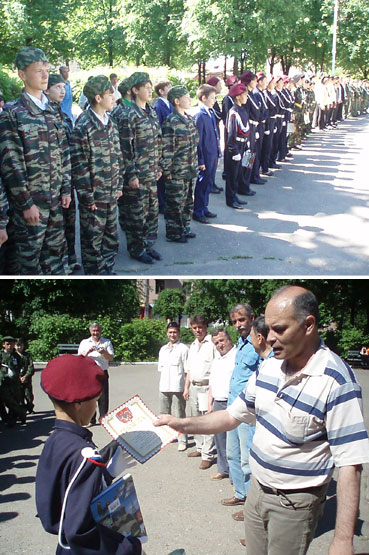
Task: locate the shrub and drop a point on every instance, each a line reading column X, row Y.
column 141, row 340
column 53, row 329
column 351, row 338
column 10, row 86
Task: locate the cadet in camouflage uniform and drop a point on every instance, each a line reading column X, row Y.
column 180, row 167
column 118, row 115
column 35, row 167
column 4, row 206
column 10, row 385
column 141, row 142
column 296, row 137
column 56, row 93
column 98, row 177
column 26, row 372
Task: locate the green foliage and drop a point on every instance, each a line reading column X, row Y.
column 141, row 340
column 51, row 330
column 351, row 338
column 170, row 304
column 10, row 87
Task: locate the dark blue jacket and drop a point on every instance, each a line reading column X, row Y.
column 162, row 110
column 208, row 147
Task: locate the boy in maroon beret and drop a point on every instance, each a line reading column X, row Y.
column 71, row 472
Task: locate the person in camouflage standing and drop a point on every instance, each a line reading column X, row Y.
column 141, row 142
column 180, row 138
column 55, row 93
column 35, row 168
column 11, row 394
column 97, row 175
column 4, row 206
column 26, row 372
column 118, row 115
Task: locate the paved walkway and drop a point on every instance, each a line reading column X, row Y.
column 311, row 218
column 180, row 504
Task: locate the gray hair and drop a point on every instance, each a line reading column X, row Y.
column 95, row 325
column 216, row 332
column 242, row 307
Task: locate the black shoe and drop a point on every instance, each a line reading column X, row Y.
column 181, row 239
column 268, row 173
column 236, row 206
column 275, row 166
column 281, row 159
column 239, row 201
column 224, row 176
column 200, row 219
column 258, row 181
column 109, row 272
column 289, row 155
column 145, row 258
column 154, row 254
column 190, row 235
column 210, row 215
column 215, row 191
column 220, row 189
column 250, row 193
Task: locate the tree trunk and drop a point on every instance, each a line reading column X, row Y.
column 199, row 72
column 203, row 71
column 235, row 66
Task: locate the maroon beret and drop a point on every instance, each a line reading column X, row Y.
column 260, row 75
column 270, row 78
column 286, row 79
column 212, row 81
column 247, row 77
column 72, row 378
column 279, row 78
column 231, row 80
column 238, row 89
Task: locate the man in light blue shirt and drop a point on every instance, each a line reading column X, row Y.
column 239, row 440
column 66, row 104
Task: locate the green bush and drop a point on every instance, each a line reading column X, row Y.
column 141, row 340
column 53, row 329
column 351, row 338
column 10, row 86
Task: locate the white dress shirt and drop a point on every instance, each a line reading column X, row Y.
column 103, row 343
column 221, row 373
column 171, row 365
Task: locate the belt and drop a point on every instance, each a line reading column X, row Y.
column 203, row 382
column 280, row 115
column 241, row 139
column 264, row 120
column 253, row 122
column 273, row 117
column 275, row 491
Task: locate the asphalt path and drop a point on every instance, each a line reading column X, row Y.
column 311, row 218
column 180, row 504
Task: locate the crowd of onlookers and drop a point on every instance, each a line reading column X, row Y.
column 126, row 158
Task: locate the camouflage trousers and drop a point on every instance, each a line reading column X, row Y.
column 140, row 222
column 69, row 218
column 99, row 238
column 178, row 207
column 296, row 137
column 40, row 246
column 27, row 394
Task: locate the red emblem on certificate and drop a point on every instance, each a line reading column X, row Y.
column 124, row 415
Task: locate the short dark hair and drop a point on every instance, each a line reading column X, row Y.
column 304, row 305
column 242, row 307
column 220, row 330
column 259, row 326
column 112, row 75
column 199, row 319
column 173, row 325
column 205, row 90
column 161, row 85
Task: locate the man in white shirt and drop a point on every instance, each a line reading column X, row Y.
column 220, row 376
column 171, row 365
column 200, row 357
column 114, row 82
column 101, row 350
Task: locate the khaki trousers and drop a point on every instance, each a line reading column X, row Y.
column 281, row 524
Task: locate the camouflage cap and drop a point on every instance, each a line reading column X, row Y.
column 124, row 86
column 176, row 92
column 54, row 79
column 96, row 85
column 139, row 78
column 29, row 55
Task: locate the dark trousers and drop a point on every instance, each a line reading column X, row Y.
column 244, row 185
column 267, row 146
column 161, row 194
column 258, row 146
column 203, row 186
column 275, row 146
column 221, row 442
column 282, row 145
column 103, row 401
column 232, row 180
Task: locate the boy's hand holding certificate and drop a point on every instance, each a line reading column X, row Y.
column 132, row 426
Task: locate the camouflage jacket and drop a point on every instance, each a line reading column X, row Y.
column 141, row 142
column 4, row 206
column 96, row 160
column 119, row 116
column 26, row 365
column 180, row 138
column 35, row 160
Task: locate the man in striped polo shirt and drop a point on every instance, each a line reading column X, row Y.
column 309, row 420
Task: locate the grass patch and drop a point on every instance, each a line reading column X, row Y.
column 223, row 258
column 241, row 256
column 184, row 262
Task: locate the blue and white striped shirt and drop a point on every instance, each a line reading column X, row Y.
column 306, row 424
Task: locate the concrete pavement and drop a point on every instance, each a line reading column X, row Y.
column 180, row 504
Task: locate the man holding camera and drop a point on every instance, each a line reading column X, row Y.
column 101, row 350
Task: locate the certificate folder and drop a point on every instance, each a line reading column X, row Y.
column 117, row 508
column 132, row 426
